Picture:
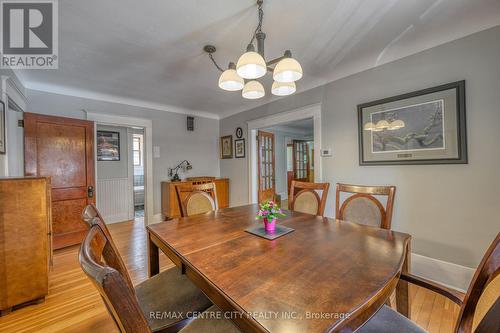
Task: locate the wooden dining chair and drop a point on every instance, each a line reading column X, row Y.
column 304, row 197
column 479, row 310
column 145, row 308
column 363, row 207
column 196, row 199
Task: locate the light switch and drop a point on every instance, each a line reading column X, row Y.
column 156, row 151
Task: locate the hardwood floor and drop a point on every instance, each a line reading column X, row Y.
column 73, row 304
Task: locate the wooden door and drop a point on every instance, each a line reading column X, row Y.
column 63, row 149
column 301, row 160
column 266, row 168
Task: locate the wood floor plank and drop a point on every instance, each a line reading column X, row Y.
column 73, row 304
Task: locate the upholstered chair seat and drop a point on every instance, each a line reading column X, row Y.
column 363, row 211
column 169, row 291
column 199, row 203
column 389, row 321
column 306, row 202
column 304, row 197
column 362, row 205
column 210, row 322
column 196, row 199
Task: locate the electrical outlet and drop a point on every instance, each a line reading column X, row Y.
column 156, row 151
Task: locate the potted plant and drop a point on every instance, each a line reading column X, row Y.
column 269, row 212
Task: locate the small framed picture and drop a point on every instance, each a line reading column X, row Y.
column 2, row 128
column 226, row 146
column 239, row 132
column 108, row 146
column 239, row 148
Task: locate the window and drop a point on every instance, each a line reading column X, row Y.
column 137, row 150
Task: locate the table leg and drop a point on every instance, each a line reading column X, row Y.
column 402, row 292
column 154, row 257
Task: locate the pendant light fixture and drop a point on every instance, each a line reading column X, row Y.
column 252, row 65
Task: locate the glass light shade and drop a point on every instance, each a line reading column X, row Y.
column 287, row 70
column 251, row 65
column 230, row 80
column 369, row 126
column 253, row 90
column 396, row 124
column 283, row 88
column 382, row 124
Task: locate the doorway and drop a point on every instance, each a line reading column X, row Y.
column 138, row 174
column 297, row 136
column 145, row 183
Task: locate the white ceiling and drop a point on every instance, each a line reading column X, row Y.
column 149, row 53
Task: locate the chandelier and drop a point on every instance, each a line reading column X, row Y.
column 252, row 65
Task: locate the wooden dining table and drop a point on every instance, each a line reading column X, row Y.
column 325, row 276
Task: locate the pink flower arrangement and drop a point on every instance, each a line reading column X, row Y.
column 269, row 210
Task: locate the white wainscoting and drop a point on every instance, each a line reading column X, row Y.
column 114, row 198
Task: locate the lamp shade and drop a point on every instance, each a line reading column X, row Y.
column 287, row 70
column 396, row 124
column 251, row 65
column 230, row 80
column 253, row 90
column 369, row 126
column 382, row 124
column 283, row 88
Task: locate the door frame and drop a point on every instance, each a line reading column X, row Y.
column 309, row 111
column 147, row 124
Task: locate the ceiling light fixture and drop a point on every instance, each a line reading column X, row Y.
column 252, row 65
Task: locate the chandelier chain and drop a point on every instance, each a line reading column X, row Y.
column 215, row 63
column 259, row 26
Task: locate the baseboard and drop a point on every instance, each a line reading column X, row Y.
column 450, row 275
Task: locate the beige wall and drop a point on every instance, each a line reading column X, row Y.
column 450, row 210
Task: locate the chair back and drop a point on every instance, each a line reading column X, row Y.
column 118, row 296
column 304, row 197
column 481, row 308
column 196, row 199
column 91, row 216
column 363, row 207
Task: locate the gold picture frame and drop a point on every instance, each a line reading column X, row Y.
column 226, row 147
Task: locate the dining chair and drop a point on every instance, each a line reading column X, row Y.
column 163, row 303
column 363, row 207
column 196, row 199
column 304, row 197
column 479, row 310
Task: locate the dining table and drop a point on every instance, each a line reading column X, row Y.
column 325, row 276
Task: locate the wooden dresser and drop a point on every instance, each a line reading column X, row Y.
column 170, row 206
column 25, row 244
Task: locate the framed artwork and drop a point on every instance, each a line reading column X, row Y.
column 2, row 128
column 108, row 146
column 423, row 127
column 239, row 132
column 226, row 146
column 239, row 148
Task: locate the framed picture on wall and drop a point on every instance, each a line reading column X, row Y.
column 226, row 147
column 108, row 146
column 2, row 128
column 422, row 127
column 239, row 148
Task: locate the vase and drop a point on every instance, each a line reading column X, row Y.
column 269, row 226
